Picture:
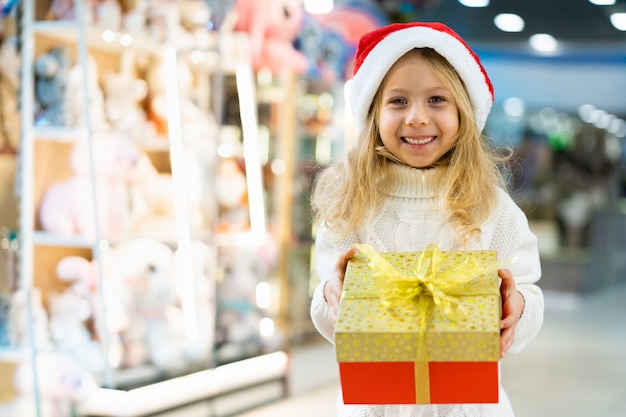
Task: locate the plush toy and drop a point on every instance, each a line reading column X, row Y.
column 231, row 194
column 71, row 313
column 273, row 26
column 61, row 384
column 326, row 49
column 51, row 81
column 195, row 18
column 75, row 97
column 330, row 40
column 66, row 207
column 146, row 268
column 152, row 200
column 239, row 313
column 108, row 14
column 135, row 16
column 123, row 97
column 20, row 320
column 197, row 124
column 64, row 10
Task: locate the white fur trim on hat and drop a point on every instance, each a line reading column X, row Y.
column 375, row 65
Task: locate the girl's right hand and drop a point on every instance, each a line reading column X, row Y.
column 334, row 286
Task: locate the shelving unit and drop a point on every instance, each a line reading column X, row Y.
column 141, row 390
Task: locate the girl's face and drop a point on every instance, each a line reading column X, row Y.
column 418, row 118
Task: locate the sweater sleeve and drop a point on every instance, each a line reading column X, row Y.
column 326, row 254
column 515, row 241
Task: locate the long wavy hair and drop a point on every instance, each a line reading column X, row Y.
column 349, row 192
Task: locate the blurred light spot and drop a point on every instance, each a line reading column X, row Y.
column 509, row 22
column 514, row 107
column 474, row 3
column 263, row 295
column 618, row 20
column 266, row 327
column 543, row 42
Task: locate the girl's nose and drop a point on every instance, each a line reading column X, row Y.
column 417, row 115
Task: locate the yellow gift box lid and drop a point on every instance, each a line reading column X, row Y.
column 463, row 325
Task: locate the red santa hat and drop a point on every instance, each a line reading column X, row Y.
column 380, row 49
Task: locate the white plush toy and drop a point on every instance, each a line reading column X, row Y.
column 146, row 267
column 61, row 384
column 20, row 320
column 66, row 207
column 71, row 313
column 75, row 97
column 123, row 95
column 152, row 200
column 142, row 313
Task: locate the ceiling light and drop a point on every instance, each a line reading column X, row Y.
column 509, row 22
column 474, row 3
column 602, row 2
column 619, row 21
column 543, row 42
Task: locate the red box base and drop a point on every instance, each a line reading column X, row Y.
column 394, row 382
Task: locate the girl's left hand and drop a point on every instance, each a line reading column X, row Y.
column 512, row 309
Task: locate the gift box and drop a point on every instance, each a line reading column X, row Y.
column 419, row 328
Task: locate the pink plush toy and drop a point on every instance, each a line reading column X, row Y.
column 273, row 26
column 66, row 207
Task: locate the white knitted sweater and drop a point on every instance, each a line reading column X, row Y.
column 408, row 221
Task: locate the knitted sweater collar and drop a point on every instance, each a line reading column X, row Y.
column 409, row 182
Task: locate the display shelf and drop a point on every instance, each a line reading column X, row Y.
column 145, row 389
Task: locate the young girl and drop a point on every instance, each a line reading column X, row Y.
column 422, row 172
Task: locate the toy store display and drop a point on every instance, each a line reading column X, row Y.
column 247, row 310
column 178, row 282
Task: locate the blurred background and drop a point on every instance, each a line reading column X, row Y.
column 222, row 112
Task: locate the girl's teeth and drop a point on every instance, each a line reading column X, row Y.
column 423, row 141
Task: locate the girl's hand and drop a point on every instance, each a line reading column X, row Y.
column 334, row 286
column 512, row 309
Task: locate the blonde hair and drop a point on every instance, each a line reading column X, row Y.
column 348, row 192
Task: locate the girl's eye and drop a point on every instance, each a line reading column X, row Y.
column 398, row 101
column 437, row 99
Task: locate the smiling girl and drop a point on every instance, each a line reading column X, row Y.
column 422, row 172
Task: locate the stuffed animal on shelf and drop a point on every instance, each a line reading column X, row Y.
column 123, row 97
column 61, row 384
column 20, row 320
column 71, row 313
column 239, row 313
column 152, row 200
column 66, row 207
column 64, row 10
column 273, row 27
column 51, row 81
column 231, row 193
column 75, row 97
column 145, row 270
